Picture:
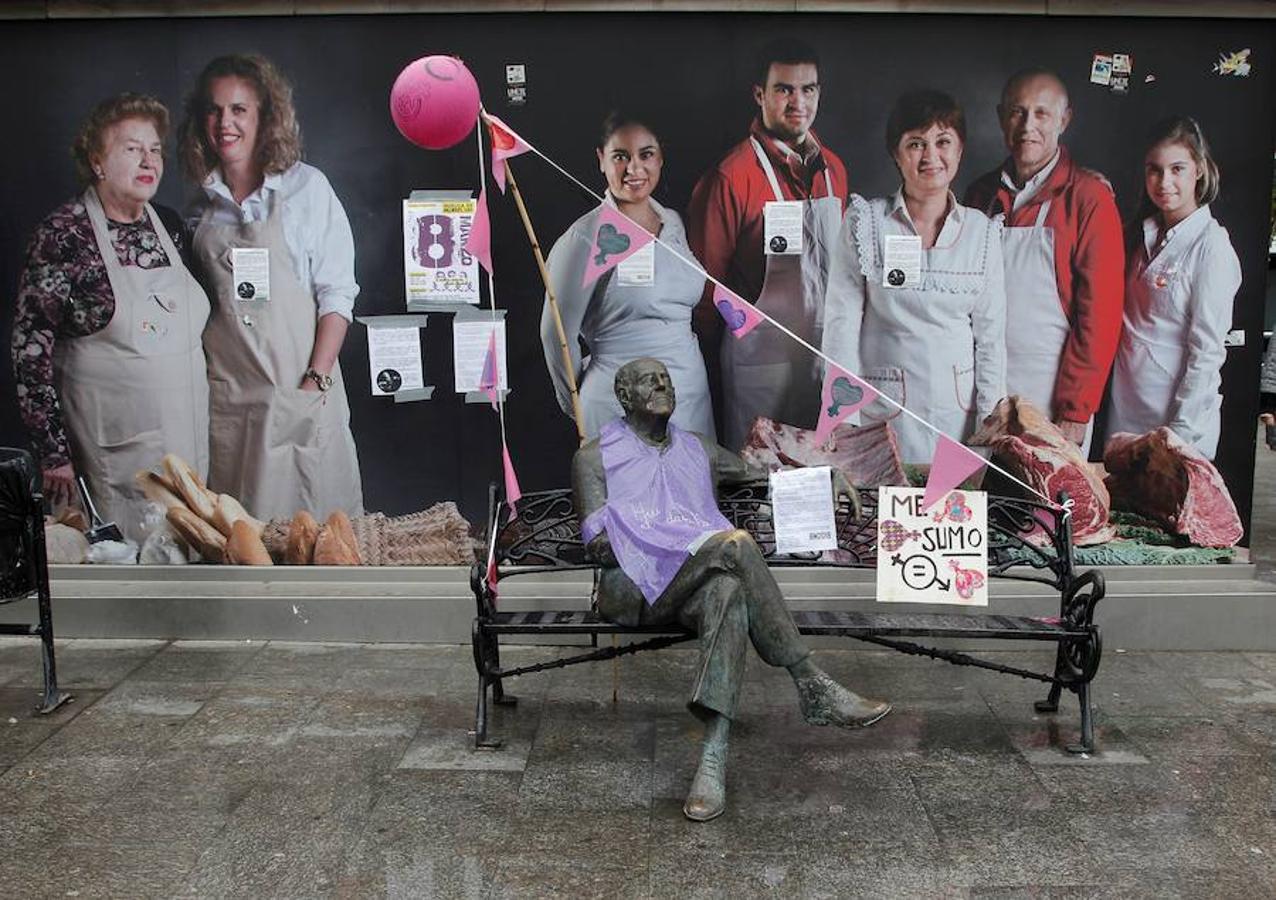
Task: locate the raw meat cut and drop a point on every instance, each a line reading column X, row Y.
column 867, row 456
column 1032, row 448
column 1162, row 477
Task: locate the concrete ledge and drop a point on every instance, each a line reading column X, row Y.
column 1222, row 607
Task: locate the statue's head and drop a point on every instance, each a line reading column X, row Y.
column 644, row 386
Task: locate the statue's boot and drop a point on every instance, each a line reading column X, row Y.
column 825, row 702
column 708, row 796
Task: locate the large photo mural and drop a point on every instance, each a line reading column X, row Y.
column 1045, row 239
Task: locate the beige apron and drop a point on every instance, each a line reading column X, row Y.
column 1036, row 328
column 275, row 447
column 137, row 389
column 767, row 373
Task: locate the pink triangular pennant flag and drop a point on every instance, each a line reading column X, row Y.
column 741, row 316
column 505, row 144
column 490, row 380
column 479, row 242
column 616, row 238
column 952, row 464
column 842, row 395
column 512, row 491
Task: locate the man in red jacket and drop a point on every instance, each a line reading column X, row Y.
column 1064, row 257
column 762, row 222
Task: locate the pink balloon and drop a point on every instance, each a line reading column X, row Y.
column 435, row 102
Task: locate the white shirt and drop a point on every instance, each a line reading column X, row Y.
column 315, row 228
column 1031, row 186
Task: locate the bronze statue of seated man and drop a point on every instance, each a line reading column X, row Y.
column 646, row 496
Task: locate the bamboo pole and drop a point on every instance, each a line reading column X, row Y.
column 577, row 414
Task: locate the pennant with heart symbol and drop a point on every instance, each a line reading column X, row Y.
column 843, row 395
column 616, row 238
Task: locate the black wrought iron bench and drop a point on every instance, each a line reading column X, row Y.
column 545, row 537
column 24, row 570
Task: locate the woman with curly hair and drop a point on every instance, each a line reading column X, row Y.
column 106, row 336
column 268, row 223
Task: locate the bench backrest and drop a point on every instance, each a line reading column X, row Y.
column 1026, row 540
column 22, row 566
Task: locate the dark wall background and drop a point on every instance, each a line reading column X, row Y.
column 694, row 70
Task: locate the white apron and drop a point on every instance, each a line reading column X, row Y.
column 137, row 389
column 1152, row 359
column 273, row 446
column 767, row 373
column 917, row 345
column 1036, row 328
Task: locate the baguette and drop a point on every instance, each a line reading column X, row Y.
column 340, row 523
column 244, row 547
column 331, row 550
column 210, row 542
column 189, row 486
column 302, row 534
column 228, row 511
column 157, row 490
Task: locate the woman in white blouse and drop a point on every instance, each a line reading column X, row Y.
column 640, row 308
column 1181, row 279
column 916, row 302
column 275, row 253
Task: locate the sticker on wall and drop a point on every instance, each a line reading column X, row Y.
column 1235, row 63
column 1120, row 84
column 516, row 84
column 1101, row 69
column 438, row 271
column 1122, row 64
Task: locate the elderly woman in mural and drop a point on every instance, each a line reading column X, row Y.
column 929, row 334
column 630, row 311
column 106, row 336
column 265, row 221
column 1182, row 276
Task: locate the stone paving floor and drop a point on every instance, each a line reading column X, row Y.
column 344, row 770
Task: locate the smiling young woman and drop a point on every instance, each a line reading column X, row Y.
column 627, row 314
column 280, row 437
column 1181, row 280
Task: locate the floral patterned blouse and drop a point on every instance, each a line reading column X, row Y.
column 64, row 293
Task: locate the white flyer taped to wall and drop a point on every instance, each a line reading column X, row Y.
column 470, row 340
column 394, row 360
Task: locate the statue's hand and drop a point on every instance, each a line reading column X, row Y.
column 600, row 549
column 843, row 488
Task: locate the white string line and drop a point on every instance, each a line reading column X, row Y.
column 696, row 265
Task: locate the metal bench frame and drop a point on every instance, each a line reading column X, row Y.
column 1027, row 541
column 24, row 573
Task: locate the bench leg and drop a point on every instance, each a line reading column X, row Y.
column 53, row 698
column 1051, row 703
column 499, row 697
column 481, row 740
column 1086, row 744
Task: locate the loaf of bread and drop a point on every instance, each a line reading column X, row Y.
column 340, row 523
column 244, row 546
column 189, row 486
column 332, row 550
column 228, row 511
column 302, row 534
column 157, row 490
column 206, row 539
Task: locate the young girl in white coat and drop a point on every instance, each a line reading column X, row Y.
column 1180, row 282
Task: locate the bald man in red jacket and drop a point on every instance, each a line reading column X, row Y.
column 1064, row 257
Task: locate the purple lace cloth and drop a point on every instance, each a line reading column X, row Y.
column 660, row 504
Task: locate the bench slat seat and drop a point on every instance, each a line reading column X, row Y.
column 842, row 623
